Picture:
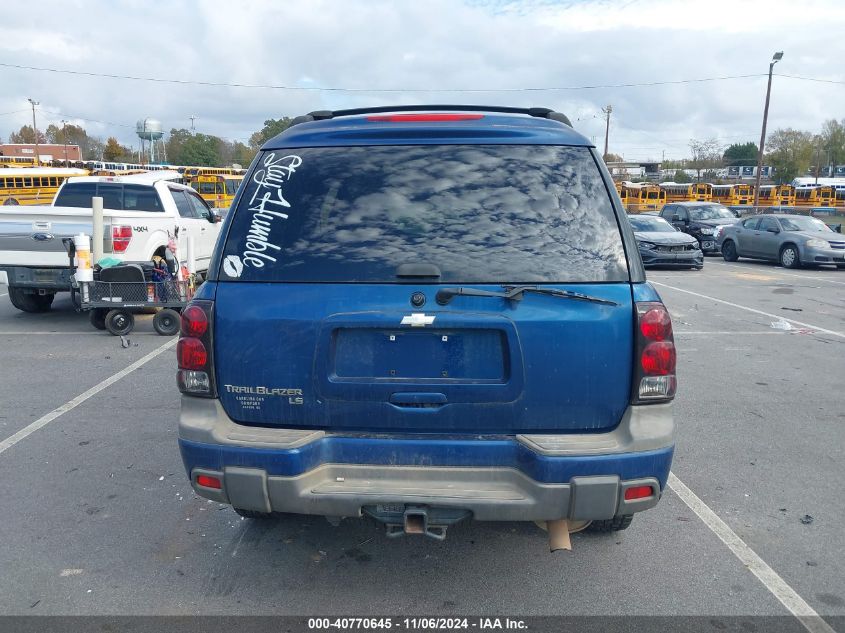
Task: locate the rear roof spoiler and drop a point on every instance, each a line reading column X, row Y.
column 542, row 113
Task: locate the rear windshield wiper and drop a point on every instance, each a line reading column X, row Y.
column 515, row 293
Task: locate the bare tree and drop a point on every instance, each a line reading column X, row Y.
column 706, row 154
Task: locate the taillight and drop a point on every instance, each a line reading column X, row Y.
column 654, row 377
column 191, row 354
column 194, row 321
column 120, row 237
column 194, row 350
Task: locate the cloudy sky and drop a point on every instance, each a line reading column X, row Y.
column 428, row 51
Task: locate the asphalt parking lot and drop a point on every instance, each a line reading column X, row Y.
column 98, row 516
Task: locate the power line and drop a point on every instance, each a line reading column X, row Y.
column 82, row 118
column 373, row 90
column 816, row 79
column 14, row 112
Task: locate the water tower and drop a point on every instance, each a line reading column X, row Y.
column 149, row 130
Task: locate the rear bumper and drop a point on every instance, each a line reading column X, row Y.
column 538, row 477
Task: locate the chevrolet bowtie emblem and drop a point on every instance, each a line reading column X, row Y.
column 417, row 319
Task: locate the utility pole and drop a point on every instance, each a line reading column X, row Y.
column 606, row 112
column 35, row 130
column 775, row 59
column 192, row 117
column 64, row 134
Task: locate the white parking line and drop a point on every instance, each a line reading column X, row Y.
column 681, row 332
column 778, row 587
column 72, row 404
column 73, row 332
column 777, row 317
column 778, row 272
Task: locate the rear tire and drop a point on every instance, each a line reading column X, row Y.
column 729, row 251
column 32, row 303
column 10, row 202
column 616, row 524
column 789, row 257
column 120, row 322
column 97, row 317
column 254, row 514
column 167, row 322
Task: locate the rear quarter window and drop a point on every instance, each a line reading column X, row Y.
column 480, row 213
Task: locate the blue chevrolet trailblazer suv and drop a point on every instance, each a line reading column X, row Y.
column 426, row 314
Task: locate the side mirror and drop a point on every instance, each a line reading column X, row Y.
column 773, row 229
column 213, row 216
column 676, row 218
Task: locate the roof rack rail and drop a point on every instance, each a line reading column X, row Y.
column 322, row 115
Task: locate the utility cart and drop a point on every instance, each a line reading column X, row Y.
column 111, row 303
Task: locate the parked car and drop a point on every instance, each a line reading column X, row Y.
column 792, row 240
column 701, row 220
column 140, row 213
column 424, row 316
column 661, row 244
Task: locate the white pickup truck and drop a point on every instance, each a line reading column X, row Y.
column 140, row 212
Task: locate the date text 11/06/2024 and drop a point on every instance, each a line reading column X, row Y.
column 417, row 624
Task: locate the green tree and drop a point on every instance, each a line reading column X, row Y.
column 271, row 128
column 790, row 152
column 26, row 136
column 185, row 148
column 113, row 150
column 681, row 177
column 833, row 142
column 741, row 154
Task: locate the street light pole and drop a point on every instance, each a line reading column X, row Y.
column 35, row 131
column 775, row 59
column 607, row 112
column 64, row 135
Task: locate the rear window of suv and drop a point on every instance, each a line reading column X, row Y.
column 480, row 213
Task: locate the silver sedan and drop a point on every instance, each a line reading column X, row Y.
column 792, row 240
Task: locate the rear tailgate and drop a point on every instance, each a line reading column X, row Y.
column 32, row 236
column 482, row 365
column 327, row 247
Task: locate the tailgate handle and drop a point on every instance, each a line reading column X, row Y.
column 417, row 400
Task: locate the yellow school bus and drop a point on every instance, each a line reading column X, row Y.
column 623, row 194
column 33, row 185
column 734, row 195
column 17, row 161
column 814, row 196
column 839, row 196
column 676, row 192
column 218, row 190
column 190, row 172
column 692, row 192
column 768, row 196
column 786, row 195
column 644, row 197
